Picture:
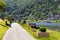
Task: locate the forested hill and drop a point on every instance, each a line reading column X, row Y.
column 14, row 6
column 37, row 8
column 42, row 8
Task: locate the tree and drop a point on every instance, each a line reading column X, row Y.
column 10, row 18
column 2, row 8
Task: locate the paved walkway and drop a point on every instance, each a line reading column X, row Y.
column 16, row 32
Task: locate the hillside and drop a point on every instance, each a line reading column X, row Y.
column 37, row 8
column 43, row 8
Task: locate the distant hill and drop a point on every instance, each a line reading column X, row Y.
column 38, row 8
column 15, row 7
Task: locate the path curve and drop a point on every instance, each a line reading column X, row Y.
column 16, row 32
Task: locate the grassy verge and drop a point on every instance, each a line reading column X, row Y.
column 54, row 35
column 3, row 29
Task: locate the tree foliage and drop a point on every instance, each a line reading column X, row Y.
column 2, row 6
column 2, row 9
column 40, row 9
column 10, row 18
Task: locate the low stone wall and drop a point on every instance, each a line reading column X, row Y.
column 42, row 34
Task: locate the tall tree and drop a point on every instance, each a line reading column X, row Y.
column 2, row 8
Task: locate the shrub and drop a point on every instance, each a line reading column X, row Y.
column 10, row 18
column 42, row 29
column 24, row 22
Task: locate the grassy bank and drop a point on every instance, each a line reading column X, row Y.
column 54, row 35
column 3, row 29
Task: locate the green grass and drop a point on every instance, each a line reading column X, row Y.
column 54, row 35
column 42, row 20
column 3, row 29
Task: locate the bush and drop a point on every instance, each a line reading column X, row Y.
column 42, row 29
column 24, row 22
column 10, row 18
